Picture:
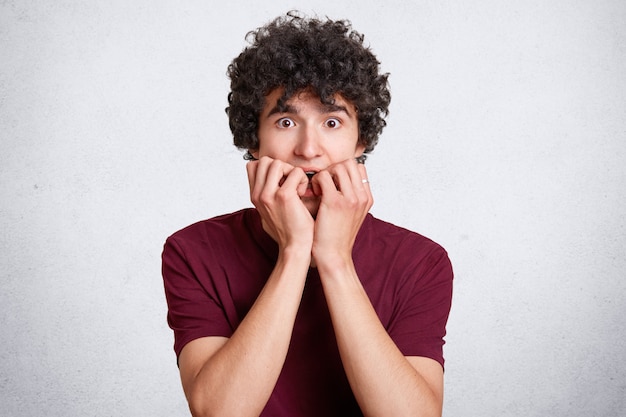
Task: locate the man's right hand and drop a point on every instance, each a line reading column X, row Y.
column 275, row 190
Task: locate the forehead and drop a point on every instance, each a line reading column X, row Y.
column 275, row 103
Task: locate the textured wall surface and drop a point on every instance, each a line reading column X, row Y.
column 506, row 143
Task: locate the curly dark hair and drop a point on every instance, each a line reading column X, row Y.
column 299, row 53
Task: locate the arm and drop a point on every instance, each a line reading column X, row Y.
column 236, row 376
column 384, row 381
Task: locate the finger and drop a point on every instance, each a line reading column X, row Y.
column 296, row 179
column 277, row 173
column 323, row 183
column 358, row 175
column 344, row 178
column 259, row 179
column 365, row 183
column 251, row 169
column 363, row 178
column 353, row 181
column 347, row 176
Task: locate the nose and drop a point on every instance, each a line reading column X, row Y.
column 308, row 145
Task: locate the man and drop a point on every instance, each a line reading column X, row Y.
column 307, row 305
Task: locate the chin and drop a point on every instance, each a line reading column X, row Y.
column 312, row 204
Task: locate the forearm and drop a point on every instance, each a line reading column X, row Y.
column 383, row 381
column 239, row 378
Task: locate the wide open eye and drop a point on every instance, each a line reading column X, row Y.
column 285, row 123
column 332, row 123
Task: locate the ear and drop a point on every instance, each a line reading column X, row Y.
column 251, row 156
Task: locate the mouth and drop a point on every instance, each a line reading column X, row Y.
column 309, row 175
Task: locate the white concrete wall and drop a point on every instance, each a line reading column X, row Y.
column 506, row 143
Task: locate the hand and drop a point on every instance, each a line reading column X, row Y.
column 345, row 201
column 275, row 190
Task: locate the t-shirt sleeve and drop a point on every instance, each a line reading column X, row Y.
column 419, row 325
column 194, row 309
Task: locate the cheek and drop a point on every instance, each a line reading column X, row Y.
column 271, row 147
column 360, row 148
column 265, row 140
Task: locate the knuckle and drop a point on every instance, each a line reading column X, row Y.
column 353, row 200
column 265, row 198
column 282, row 195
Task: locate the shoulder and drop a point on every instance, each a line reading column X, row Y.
column 382, row 233
column 208, row 229
column 215, row 235
column 400, row 252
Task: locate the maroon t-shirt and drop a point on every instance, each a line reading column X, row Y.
column 214, row 270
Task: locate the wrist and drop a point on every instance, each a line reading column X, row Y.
column 295, row 252
column 333, row 264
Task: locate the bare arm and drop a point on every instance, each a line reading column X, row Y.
column 384, row 381
column 236, row 376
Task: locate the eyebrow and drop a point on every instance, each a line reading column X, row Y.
column 323, row 108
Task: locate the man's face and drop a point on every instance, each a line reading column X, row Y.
column 308, row 134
